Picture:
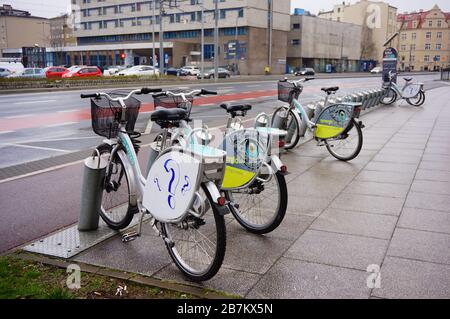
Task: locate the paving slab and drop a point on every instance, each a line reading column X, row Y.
column 428, row 201
column 413, row 279
column 369, row 204
column 295, row 279
column 433, row 175
column 391, row 167
column 427, row 220
column 338, row 249
column 377, row 189
column 431, row 187
column 420, row 245
column 385, row 177
column 227, row 280
column 356, row 223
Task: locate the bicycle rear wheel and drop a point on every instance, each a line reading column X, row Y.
column 261, row 208
column 116, row 209
column 348, row 146
column 419, row 100
column 199, row 244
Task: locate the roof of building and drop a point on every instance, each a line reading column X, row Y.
column 7, row 10
column 409, row 18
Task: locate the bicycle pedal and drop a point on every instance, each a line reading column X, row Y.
column 129, row 237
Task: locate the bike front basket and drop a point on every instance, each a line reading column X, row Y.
column 287, row 91
column 172, row 102
column 106, row 115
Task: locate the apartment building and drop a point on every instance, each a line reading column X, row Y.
column 20, row 29
column 111, row 29
column 424, row 42
column 377, row 18
column 324, row 45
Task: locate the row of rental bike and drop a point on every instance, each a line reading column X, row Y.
column 194, row 178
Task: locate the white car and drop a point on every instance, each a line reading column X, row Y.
column 139, row 70
column 376, row 70
column 191, row 70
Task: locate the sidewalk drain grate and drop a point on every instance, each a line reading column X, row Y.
column 71, row 242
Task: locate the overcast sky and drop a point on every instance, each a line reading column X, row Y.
column 51, row 8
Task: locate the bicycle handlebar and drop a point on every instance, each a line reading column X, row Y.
column 191, row 93
column 137, row 92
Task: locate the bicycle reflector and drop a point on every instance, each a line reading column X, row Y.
column 221, row 201
column 284, row 169
column 281, row 143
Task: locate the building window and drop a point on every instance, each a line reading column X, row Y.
column 439, row 35
column 428, row 46
column 438, row 46
column 426, row 58
column 296, row 26
column 428, row 35
column 439, row 23
column 430, row 23
column 403, row 48
column 295, row 41
column 413, row 36
column 403, row 36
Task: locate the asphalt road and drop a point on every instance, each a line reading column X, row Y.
column 38, row 126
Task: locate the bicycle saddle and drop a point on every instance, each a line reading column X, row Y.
column 233, row 109
column 330, row 90
column 164, row 117
column 407, row 79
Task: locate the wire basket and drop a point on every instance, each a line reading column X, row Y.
column 287, row 91
column 172, row 102
column 106, row 115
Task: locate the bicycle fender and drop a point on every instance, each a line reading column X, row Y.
column 276, row 163
column 132, row 184
column 215, row 194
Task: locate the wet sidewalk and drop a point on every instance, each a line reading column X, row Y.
column 388, row 211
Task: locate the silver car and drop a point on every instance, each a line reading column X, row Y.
column 4, row 72
column 29, row 73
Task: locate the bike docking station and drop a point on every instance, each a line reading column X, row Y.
column 90, row 230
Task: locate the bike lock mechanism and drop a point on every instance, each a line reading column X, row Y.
column 92, row 192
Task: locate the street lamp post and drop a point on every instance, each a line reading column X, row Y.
column 153, row 33
column 216, row 41
column 161, row 38
column 203, row 44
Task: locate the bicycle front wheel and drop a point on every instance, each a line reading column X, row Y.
column 346, row 147
column 116, row 209
column 291, row 125
column 389, row 98
column 197, row 245
column 261, row 208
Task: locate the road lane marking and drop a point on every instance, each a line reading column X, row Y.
column 50, row 169
column 61, row 124
column 34, row 102
column 37, row 147
column 69, row 111
column 18, row 116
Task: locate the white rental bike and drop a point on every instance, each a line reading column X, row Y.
column 179, row 193
column 413, row 93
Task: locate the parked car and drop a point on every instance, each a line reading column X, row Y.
column 113, row 70
column 209, row 74
column 376, row 70
column 55, row 72
column 29, row 73
column 175, row 71
column 4, row 72
column 139, row 70
column 12, row 66
column 191, row 70
column 83, row 72
column 305, row 71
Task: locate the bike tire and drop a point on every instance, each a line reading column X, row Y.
column 219, row 255
column 357, row 149
column 392, row 100
column 420, row 102
column 274, row 222
column 296, row 137
column 131, row 210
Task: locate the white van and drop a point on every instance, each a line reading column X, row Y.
column 12, row 66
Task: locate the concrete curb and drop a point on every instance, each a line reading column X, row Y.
column 199, row 292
